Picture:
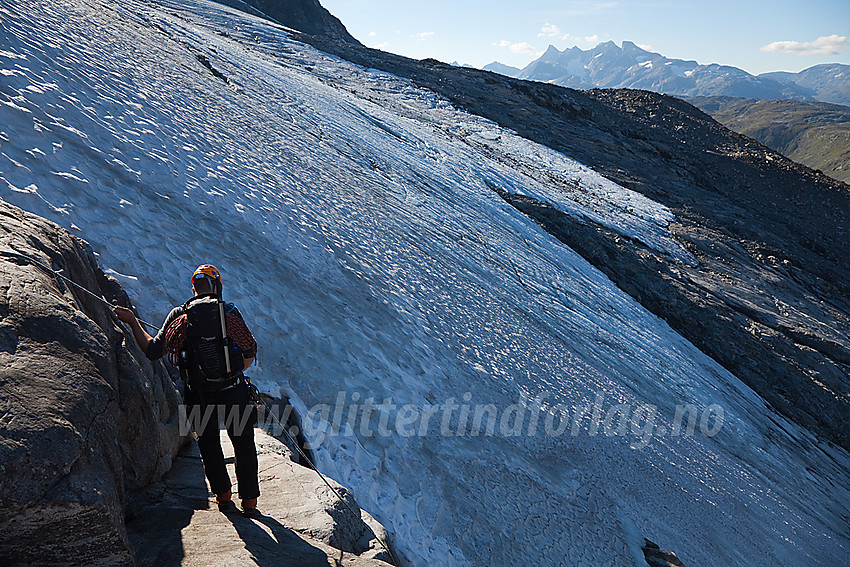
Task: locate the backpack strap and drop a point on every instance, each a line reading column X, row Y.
column 224, row 337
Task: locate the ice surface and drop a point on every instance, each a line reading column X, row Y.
column 354, row 220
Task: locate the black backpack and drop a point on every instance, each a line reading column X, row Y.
column 206, row 355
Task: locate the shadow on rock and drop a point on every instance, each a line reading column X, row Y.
column 271, row 543
column 156, row 528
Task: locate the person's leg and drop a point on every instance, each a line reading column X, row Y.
column 209, row 442
column 240, row 428
column 246, row 464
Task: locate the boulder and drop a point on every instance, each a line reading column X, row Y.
column 85, row 418
column 657, row 557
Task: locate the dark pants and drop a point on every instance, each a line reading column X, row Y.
column 233, row 407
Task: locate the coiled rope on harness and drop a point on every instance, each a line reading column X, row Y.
column 175, row 335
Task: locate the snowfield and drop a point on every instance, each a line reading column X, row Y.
column 354, row 218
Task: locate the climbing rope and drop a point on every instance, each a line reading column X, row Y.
column 259, row 403
column 33, row 261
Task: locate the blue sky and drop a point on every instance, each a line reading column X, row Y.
column 757, row 35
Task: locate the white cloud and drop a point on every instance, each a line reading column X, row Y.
column 591, row 38
column 549, row 30
column 423, row 35
column 825, row 45
column 383, row 45
column 521, row 48
column 645, row 47
column 372, row 34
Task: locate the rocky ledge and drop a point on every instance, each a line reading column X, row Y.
column 301, row 521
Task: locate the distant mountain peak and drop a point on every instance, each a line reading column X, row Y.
column 630, row 66
column 828, row 82
column 502, row 69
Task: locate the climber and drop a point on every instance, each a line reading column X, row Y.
column 210, row 343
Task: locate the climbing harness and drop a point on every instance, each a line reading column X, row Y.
column 36, row 263
column 259, row 403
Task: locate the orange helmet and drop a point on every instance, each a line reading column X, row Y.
column 207, row 271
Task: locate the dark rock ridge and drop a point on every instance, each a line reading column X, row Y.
column 85, row 417
column 306, row 16
column 815, row 134
column 772, row 235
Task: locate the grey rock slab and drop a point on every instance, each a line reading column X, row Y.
column 301, row 521
column 84, row 416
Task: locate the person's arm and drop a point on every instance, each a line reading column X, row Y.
column 143, row 339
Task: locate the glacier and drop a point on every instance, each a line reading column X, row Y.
column 355, row 219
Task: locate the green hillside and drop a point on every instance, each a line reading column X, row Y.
column 815, row 134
